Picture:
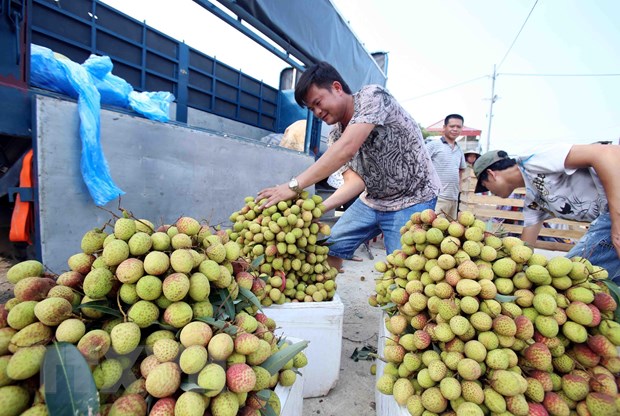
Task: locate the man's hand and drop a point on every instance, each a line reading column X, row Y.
column 276, row 194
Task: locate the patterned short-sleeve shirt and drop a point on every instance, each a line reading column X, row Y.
column 553, row 190
column 393, row 160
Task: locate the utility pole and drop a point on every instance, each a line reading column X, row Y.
column 493, row 98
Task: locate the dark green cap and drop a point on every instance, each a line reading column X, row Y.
column 483, row 163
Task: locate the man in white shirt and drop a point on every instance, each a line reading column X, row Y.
column 573, row 182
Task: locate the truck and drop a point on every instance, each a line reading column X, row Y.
column 202, row 162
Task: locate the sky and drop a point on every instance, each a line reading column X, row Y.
column 441, row 57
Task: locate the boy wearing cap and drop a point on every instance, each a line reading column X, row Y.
column 572, row 182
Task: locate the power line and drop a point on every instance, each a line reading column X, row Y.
column 516, row 74
column 444, row 89
column 516, row 37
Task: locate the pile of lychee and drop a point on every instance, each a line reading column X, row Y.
column 286, row 245
column 164, row 317
column 479, row 324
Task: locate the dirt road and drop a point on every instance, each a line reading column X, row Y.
column 354, row 394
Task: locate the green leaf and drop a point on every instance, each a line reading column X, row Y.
column 189, row 386
column 164, row 326
column 69, row 385
column 275, row 363
column 227, row 302
column 101, row 306
column 264, row 394
column 257, row 262
column 268, row 410
column 247, row 294
column 214, row 322
column 615, row 293
column 389, row 305
column 505, row 298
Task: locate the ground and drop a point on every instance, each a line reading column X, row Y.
column 354, row 394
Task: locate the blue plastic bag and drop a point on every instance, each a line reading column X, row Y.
column 93, row 84
column 114, row 90
column 67, row 77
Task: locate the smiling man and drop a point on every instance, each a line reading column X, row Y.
column 572, row 182
column 449, row 162
column 382, row 149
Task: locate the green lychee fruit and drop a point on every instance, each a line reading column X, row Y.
column 178, row 314
column 190, row 404
column 107, row 373
column 14, row 399
column 22, row 314
column 156, row 263
column 212, row 378
column 166, row 349
column 559, row 266
column 94, row 345
column 182, row 261
column 544, row 304
column 225, row 404
column 163, row 380
column 188, row 225
column 149, row 287
column 195, row 333
column 220, row 346
column 160, row 241
column 505, row 267
column 139, row 243
column 124, row 228
column 176, row 286
column 81, row 262
column 98, row 283
column 25, row 362
column 125, row 337
column 193, row 359
column 115, row 252
column 28, row 268
column 131, row 404
column 70, row 330
column 52, row 311
column 143, row 313
column 92, row 241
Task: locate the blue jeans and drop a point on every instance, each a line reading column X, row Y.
column 360, row 223
column 597, row 247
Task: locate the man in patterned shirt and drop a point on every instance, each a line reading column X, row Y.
column 383, row 150
column 449, row 162
column 572, row 182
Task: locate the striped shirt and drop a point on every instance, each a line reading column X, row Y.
column 448, row 161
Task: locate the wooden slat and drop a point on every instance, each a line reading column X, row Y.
column 546, row 232
column 552, row 245
column 498, row 213
column 493, row 200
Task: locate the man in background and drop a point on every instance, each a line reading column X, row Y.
column 449, row 163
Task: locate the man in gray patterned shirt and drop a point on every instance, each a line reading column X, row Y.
column 383, row 149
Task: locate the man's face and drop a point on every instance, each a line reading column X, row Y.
column 497, row 185
column 328, row 105
column 452, row 130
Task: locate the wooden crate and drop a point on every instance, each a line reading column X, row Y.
column 487, row 207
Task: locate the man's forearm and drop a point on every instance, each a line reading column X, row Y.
column 530, row 233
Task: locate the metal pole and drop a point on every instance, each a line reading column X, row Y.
column 491, row 108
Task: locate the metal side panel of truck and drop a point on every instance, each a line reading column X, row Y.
column 166, row 170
